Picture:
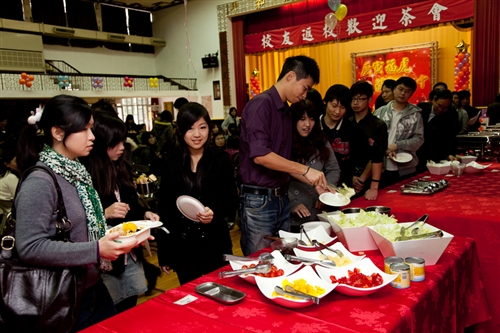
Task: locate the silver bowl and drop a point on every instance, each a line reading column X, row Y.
column 351, row 210
column 379, row 209
column 285, row 245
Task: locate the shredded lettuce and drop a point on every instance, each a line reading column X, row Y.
column 364, row 219
column 391, row 232
column 346, row 191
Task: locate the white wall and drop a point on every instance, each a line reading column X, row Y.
column 201, row 38
column 102, row 61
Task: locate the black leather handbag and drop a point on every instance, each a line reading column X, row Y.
column 38, row 299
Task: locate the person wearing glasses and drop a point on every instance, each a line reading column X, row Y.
column 349, row 142
column 405, row 131
column 440, row 128
column 376, row 130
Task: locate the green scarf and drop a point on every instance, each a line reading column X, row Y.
column 76, row 174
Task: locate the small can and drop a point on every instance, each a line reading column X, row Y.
column 417, row 268
column 403, row 279
column 391, row 260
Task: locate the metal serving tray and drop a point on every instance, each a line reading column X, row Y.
column 423, row 187
column 220, row 293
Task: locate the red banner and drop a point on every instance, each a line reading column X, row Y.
column 397, row 18
column 414, row 63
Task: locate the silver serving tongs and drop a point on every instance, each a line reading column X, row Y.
column 327, row 263
column 423, row 218
column 262, row 268
column 435, row 234
column 290, row 291
column 264, row 257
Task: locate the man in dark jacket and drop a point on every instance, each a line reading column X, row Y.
column 440, row 121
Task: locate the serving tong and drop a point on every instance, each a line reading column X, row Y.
column 263, row 257
column 291, row 291
column 261, row 268
column 422, row 220
column 434, row 234
column 326, row 263
column 319, row 245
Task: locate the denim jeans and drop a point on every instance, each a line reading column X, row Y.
column 96, row 306
column 262, row 215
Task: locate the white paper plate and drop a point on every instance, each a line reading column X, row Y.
column 402, row 158
column 189, row 206
column 334, row 199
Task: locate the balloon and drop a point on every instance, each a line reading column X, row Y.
column 341, row 12
column 464, row 87
column 29, row 84
column 24, row 75
column 61, row 84
column 125, row 84
column 22, row 81
column 126, row 78
column 331, row 20
column 460, row 56
column 460, row 74
column 334, row 4
column 32, row 78
column 131, row 79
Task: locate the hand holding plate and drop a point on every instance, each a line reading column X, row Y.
column 205, row 217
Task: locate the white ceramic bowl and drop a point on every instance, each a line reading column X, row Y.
column 279, row 262
column 309, row 226
column 336, row 246
column 140, row 236
column 429, row 249
column 266, row 287
column 468, row 159
column 318, row 233
column 366, row 266
column 439, row 169
column 474, row 167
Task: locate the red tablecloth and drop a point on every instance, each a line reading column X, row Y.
column 468, row 207
column 450, row 298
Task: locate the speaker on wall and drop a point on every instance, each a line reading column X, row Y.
column 210, row 62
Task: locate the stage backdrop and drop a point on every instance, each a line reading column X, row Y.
column 415, row 61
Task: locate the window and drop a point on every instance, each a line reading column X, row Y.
column 139, row 107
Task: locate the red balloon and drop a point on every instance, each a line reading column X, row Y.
column 125, row 84
column 465, row 87
column 22, row 81
column 24, row 75
column 131, row 79
column 461, row 56
column 460, row 74
column 126, row 78
column 29, row 84
column 32, row 78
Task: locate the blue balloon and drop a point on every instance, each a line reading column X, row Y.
column 61, row 84
column 334, row 4
column 60, row 78
column 66, row 78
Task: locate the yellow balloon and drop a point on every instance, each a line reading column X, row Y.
column 341, row 12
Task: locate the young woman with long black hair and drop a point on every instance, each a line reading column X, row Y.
column 113, row 179
column 196, row 169
column 67, row 131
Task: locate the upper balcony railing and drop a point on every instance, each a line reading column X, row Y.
column 59, row 71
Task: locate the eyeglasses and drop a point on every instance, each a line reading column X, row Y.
column 359, row 99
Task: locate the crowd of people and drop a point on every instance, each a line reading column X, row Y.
column 266, row 168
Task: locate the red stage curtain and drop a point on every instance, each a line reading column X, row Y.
column 486, row 52
column 239, row 63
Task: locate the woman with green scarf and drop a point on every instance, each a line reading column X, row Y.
column 66, row 123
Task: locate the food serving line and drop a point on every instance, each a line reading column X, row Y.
column 448, row 300
column 467, row 207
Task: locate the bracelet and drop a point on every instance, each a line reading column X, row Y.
column 376, row 180
column 307, row 170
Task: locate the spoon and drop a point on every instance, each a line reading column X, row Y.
column 264, row 256
column 423, row 218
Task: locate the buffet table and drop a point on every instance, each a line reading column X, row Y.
column 468, row 207
column 450, row 299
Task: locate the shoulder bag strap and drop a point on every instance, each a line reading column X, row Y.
column 63, row 224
